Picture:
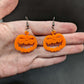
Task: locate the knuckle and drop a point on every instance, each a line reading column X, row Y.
column 4, row 31
column 3, row 27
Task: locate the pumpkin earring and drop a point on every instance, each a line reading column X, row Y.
column 25, row 40
column 56, row 40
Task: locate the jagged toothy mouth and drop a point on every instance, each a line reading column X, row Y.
column 26, row 46
column 54, row 45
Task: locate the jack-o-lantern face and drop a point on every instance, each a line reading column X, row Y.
column 54, row 39
column 25, row 40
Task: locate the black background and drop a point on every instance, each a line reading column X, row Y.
column 72, row 70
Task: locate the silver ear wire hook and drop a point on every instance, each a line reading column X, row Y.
column 27, row 25
column 53, row 23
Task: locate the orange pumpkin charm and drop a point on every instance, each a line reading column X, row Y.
column 25, row 40
column 54, row 39
column 57, row 39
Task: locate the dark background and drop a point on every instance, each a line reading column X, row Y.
column 72, row 70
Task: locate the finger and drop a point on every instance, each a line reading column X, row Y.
column 42, row 27
column 68, row 49
column 73, row 38
column 7, row 6
column 43, row 62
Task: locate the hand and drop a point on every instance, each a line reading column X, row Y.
column 7, row 6
column 13, row 62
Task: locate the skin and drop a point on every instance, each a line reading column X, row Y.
column 13, row 62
